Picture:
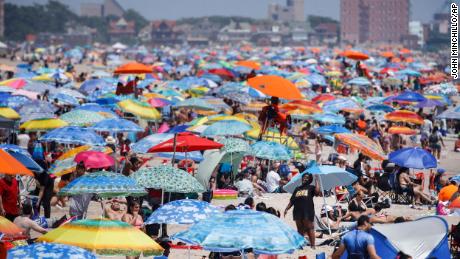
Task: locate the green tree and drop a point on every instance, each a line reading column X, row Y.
column 139, row 20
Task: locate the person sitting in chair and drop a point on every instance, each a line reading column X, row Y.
column 271, row 115
column 407, row 185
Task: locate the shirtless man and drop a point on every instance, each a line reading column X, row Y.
column 113, row 210
column 24, row 222
column 406, row 183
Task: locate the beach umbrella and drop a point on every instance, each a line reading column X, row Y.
column 13, row 101
column 43, row 124
column 116, row 125
column 275, row 86
column 182, row 212
column 9, row 165
column 361, row 81
column 249, row 64
column 413, row 158
column 194, row 103
column 235, row 145
column 340, row 104
column 15, row 83
column 91, row 85
column 37, row 106
column 449, row 114
column 402, row 130
column 133, row 68
column 455, row 204
column 356, row 55
column 185, row 142
column 104, row 237
column 94, row 159
column 168, row 179
column 9, row 113
column 81, row 117
column 409, row 96
column 364, row 144
column 65, row 99
column 323, row 98
column 380, row 107
column 159, row 102
column 139, row 109
column 330, row 118
column 65, row 163
column 270, row 150
column 331, row 129
column 104, row 184
column 26, row 160
column 429, row 103
column 49, row 251
column 404, row 116
column 226, row 128
column 74, row 135
column 143, row 145
column 9, row 228
column 238, row 230
column 408, row 72
column 36, row 116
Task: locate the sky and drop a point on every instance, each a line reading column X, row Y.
column 421, row 10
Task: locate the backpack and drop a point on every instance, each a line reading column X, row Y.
column 433, row 139
column 284, row 170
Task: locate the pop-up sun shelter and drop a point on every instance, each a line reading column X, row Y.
column 421, row 238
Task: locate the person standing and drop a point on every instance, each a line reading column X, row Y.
column 435, row 141
column 358, row 243
column 23, row 139
column 78, row 204
column 9, row 201
column 304, row 208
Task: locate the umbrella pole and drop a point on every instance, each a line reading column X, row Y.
column 161, row 225
column 174, row 149
column 324, row 200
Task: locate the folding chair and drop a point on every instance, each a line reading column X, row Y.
column 454, row 244
column 398, row 195
column 383, row 185
column 352, row 193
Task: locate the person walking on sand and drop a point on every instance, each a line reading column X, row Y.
column 304, row 208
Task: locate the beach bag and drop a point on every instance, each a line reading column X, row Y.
column 38, row 154
column 433, row 139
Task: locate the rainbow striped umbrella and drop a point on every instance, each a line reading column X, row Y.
column 402, row 130
column 104, row 237
column 404, row 116
column 364, row 144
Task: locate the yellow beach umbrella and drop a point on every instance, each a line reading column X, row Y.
column 227, row 118
column 154, row 95
column 247, row 116
column 44, row 77
column 139, row 109
column 104, row 237
column 9, row 113
column 43, row 124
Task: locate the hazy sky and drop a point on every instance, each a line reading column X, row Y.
column 422, row 10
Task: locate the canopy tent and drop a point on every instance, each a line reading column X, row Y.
column 413, row 238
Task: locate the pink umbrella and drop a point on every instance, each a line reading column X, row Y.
column 15, row 83
column 159, row 102
column 163, row 128
column 94, row 159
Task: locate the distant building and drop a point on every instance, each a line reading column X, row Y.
column 324, row 33
column 201, row 33
column 293, row 11
column 121, row 30
column 236, row 32
column 416, row 28
column 374, row 21
column 107, row 8
column 160, row 33
column 2, row 18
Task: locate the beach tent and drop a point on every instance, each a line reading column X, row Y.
column 413, row 238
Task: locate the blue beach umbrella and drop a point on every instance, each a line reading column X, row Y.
column 116, row 125
column 331, row 129
column 409, row 96
column 408, row 72
column 74, row 135
column 416, row 158
column 271, row 151
column 238, row 230
column 226, row 128
column 361, row 81
column 143, row 145
column 330, row 118
column 339, row 104
column 182, row 212
column 380, row 108
column 49, row 251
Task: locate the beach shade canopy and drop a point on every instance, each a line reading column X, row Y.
column 416, row 158
column 235, row 145
column 49, row 251
column 270, row 150
column 133, row 68
column 404, row 116
column 364, row 144
column 413, row 238
column 26, row 160
column 9, row 165
column 7, row 112
column 104, row 184
column 43, row 124
column 275, row 86
column 226, row 128
column 329, row 176
column 380, row 108
column 402, row 130
column 81, row 117
column 74, row 135
column 356, row 55
column 94, row 159
column 140, row 109
column 168, row 179
column 237, row 230
column 185, row 142
column 116, row 125
column 329, row 118
column 182, row 212
column 331, row 129
column 409, row 96
column 194, row 103
column 104, row 237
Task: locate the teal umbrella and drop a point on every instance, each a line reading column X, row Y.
column 226, row 128
column 168, row 179
column 235, row 145
column 81, row 117
column 104, row 184
column 271, row 151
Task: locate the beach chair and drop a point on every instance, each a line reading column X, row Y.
column 383, row 185
column 454, row 244
column 398, row 195
column 352, row 193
